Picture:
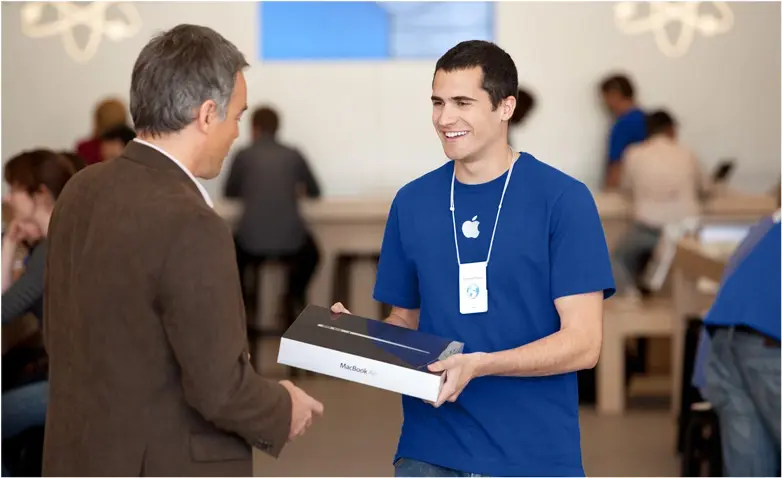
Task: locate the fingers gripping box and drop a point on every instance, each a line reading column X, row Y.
column 366, row 351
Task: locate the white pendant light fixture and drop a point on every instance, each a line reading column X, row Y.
column 70, row 15
column 631, row 21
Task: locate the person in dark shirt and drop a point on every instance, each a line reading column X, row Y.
column 36, row 178
column 113, row 141
column 270, row 178
column 108, row 113
column 629, row 123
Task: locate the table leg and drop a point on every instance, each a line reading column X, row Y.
column 611, row 374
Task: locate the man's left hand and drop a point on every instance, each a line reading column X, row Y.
column 459, row 369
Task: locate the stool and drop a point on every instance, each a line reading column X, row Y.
column 689, row 394
column 269, row 311
column 701, row 442
column 340, row 291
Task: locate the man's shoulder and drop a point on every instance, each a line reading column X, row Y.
column 131, row 189
column 544, row 180
column 425, row 185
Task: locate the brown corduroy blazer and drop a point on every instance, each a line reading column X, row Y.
column 144, row 325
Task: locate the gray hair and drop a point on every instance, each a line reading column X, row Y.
column 176, row 72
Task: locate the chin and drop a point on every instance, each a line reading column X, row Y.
column 460, row 156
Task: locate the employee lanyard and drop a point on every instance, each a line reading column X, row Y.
column 496, row 219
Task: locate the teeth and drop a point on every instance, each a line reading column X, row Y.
column 454, row 134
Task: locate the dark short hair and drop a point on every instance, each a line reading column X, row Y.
column 619, row 83
column 77, row 161
column 500, row 78
column 176, row 72
column 658, row 122
column 122, row 133
column 41, row 167
column 524, row 104
column 265, row 119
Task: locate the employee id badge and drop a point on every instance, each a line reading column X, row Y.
column 473, row 295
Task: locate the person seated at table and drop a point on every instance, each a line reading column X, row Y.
column 108, row 113
column 270, row 178
column 114, row 140
column 665, row 184
column 737, row 367
column 76, row 160
column 35, row 178
column 629, row 127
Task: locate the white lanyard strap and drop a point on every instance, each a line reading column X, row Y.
column 496, row 219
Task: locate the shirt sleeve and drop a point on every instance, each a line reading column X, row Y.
column 578, row 251
column 619, row 140
column 307, row 177
column 20, row 298
column 397, row 278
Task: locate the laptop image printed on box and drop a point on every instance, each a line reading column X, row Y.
column 383, row 355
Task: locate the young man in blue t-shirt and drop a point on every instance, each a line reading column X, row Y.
column 629, row 123
column 506, row 254
column 741, row 361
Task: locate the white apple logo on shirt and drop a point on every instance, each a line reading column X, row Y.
column 470, row 228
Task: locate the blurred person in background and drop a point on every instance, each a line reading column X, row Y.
column 665, row 184
column 525, row 103
column 150, row 372
column 114, row 141
column 36, row 179
column 629, row 127
column 509, row 403
column 76, row 160
column 270, row 178
column 108, row 113
column 738, row 363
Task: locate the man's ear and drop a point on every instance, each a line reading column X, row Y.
column 207, row 115
column 508, row 106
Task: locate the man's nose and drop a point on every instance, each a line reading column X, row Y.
column 447, row 117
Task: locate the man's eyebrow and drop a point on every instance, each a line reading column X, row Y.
column 454, row 98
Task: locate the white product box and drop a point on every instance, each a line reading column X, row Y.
column 366, row 351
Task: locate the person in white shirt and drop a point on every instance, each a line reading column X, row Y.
column 665, row 183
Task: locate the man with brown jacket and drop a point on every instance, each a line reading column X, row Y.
column 144, row 323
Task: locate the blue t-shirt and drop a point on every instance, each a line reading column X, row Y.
column 751, row 294
column 549, row 243
column 629, row 128
column 756, row 234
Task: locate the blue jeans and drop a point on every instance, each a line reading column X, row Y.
column 743, row 385
column 23, row 408
column 408, row 467
column 631, row 255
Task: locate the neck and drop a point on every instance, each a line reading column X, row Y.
column 489, row 166
column 624, row 108
column 177, row 146
column 41, row 219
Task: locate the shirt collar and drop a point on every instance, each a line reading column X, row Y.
column 200, row 186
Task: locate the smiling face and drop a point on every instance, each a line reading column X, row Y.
column 466, row 121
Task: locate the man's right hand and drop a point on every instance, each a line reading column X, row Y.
column 302, row 410
column 338, row 308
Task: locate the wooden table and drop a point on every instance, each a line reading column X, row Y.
column 356, row 226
